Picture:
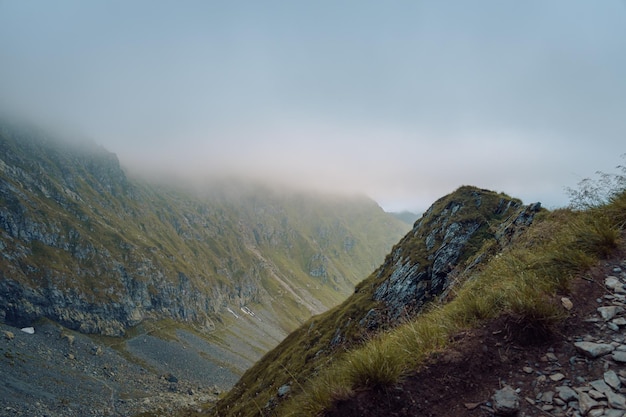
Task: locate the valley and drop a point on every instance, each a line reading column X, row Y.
column 194, row 280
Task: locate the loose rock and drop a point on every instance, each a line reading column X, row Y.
column 557, row 377
column 613, row 283
column 566, row 393
column 586, row 403
column 619, row 356
column 611, row 378
column 284, row 390
column 567, row 303
column 506, row 401
column 609, row 312
column 593, row 350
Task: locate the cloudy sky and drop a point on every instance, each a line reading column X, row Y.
column 401, row 100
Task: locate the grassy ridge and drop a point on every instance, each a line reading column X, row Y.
column 517, row 275
column 522, row 282
column 320, row 341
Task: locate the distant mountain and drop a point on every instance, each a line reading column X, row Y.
column 406, row 217
column 96, row 251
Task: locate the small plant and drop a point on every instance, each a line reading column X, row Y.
column 592, row 193
column 377, row 363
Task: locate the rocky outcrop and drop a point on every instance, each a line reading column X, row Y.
column 453, row 235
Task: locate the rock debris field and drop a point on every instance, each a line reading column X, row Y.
column 56, row 372
column 591, row 382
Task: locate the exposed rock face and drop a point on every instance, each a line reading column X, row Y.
column 444, row 241
column 85, row 246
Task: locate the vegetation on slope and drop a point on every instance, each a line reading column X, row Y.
column 521, row 281
column 520, row 278
column 94, row 250
column 452, row 231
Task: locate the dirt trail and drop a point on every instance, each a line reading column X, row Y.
column 462, row 380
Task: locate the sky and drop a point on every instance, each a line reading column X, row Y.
column 404, row 101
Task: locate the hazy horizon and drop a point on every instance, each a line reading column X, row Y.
column 403, row 102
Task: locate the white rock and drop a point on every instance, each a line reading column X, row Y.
column 29, row 330
column 567, row 303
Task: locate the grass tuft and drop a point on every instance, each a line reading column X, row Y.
column 377, row 363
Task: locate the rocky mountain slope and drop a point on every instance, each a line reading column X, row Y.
column 487, row 307
column 98, row 252
column 495, row 369
column 454, row 236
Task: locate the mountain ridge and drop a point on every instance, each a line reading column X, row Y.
column 477, row 263
column 96, row 251
column 455, row 234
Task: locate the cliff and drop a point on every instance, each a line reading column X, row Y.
column 87, row 247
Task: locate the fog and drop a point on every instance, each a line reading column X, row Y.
column 402, row 101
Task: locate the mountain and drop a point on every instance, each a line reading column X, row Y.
column 460, row 316
column 454, row 236
column 406, row 216
column 89, row 248
column 151, row 299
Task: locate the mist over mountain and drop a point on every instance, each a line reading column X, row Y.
column 406, row 216
column 71, row 217
column 454, row 237
column 99, row 252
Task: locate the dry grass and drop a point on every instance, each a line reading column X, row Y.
column 522, row 282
